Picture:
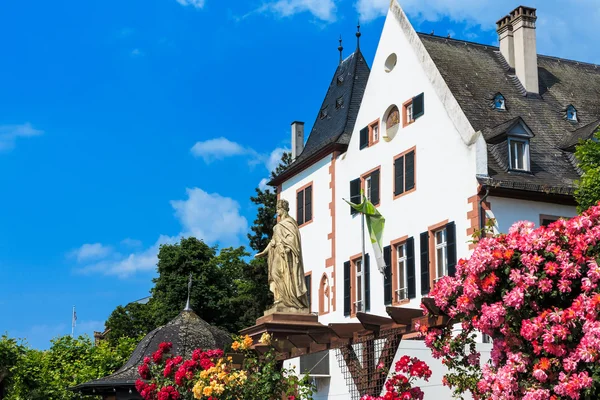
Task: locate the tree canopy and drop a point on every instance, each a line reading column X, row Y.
column 46, row 374
column 587, row 153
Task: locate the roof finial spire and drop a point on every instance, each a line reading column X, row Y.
column 358, row 35
column 341, row 49
column 187, row 305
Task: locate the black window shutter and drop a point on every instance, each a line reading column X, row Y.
column 399, row 176
column 300, row 207
column 424, row 263
column 364, row 138
column 308, row 204
column 347, row 298
column 418, row 106
column 387, row 283
column 354, row 194
column 375, row 187
column 411, row 278
column 367, row 283
column 451, row 243
column 410, row 171
column 307, row 281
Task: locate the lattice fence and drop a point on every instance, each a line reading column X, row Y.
column 359, row 360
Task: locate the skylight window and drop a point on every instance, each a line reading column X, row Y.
column 571, row 114
column 499, row 102
column 339, row 102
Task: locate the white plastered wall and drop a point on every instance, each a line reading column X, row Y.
column 507, row 211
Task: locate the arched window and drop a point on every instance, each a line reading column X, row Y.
column 324, row 295
column 571, row 114
column 499, row 102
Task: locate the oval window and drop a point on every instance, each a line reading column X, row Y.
column 390, row 62
column 392, row 122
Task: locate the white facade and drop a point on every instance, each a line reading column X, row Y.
column 449, row 155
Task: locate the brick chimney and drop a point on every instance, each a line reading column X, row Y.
column 506, row 38
column 297, row 138
column 523, row 20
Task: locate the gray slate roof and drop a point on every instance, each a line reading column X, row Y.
column 337, row 125
column 475, row 73
column 187, row 332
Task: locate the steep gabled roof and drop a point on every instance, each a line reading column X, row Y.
column 335, row 122
column 475, row 73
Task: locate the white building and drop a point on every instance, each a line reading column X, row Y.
column 436, row 131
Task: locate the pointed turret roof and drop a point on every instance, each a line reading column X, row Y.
column 337, row 116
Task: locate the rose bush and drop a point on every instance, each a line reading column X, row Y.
column 400, row 384
column 535, row 292
column 209, row 375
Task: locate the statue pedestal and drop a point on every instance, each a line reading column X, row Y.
column 293, row 333
column 286, row 310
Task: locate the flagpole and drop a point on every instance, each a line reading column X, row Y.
column 362, row 229
column 73, row 323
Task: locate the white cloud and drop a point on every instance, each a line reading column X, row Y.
column 321, row 9
column 10, row 133
column 91, row 251
column 194, row 3
column 136, row 53
column 562, row 34
column 128, row 242
column 207, row 216
column 210, row 217
column 219, row 149
column 262, row 185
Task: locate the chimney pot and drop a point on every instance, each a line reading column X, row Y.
column 297, row 138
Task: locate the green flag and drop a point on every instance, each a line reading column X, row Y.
column 375, row 224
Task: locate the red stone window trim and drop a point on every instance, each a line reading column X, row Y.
column 353, row 282
column 407, row 118
column 372, row 126
column 363, row 179
column 432, row 253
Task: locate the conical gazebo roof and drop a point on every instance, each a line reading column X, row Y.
column 187, row 332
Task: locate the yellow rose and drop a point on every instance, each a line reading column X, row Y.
column 197, row 390
column 247, row 342
column 207, row 391
column 235, row 346
column 265, row 339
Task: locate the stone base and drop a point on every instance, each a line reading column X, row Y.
column 276, row 317
column 285, row 310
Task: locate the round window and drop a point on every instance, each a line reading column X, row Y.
column 390, row 62
column 392, row 122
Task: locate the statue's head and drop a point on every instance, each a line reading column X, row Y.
column 283, row 207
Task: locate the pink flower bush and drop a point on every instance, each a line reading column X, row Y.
column 400, row 385
column 536, row 293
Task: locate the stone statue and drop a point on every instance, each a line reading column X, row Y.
column 286, row 270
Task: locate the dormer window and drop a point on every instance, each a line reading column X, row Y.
column 339, row 102
column 340, row 80
column 518, row 153
column 323, row 113
column 571, row 114
column 499, row 102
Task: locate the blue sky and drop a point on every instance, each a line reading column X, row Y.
column 126, row 124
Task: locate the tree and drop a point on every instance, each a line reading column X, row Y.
column 262, row 231
column 46, row 375
column 11, row 352
column 587, row 153
column 536, row 293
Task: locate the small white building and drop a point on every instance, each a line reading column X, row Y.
column 438, row 132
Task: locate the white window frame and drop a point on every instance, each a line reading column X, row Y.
column 444, row 260
column 574, row 119
column 359, row 287
column 375, row 133
column 409, row 113
column 368, row 187
column 525, row 160
column 401, row 268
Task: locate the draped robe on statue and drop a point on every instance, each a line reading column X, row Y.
column 286, row 270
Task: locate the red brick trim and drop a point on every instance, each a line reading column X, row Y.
column 473, row 216
column 330, row 262
column 353, row 261
column 312, row 215
column 394, row 244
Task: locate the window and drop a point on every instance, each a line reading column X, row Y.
column 308, row 283
column 304, row 205
column 546, row 220
column 413, row 109
column 358, row 287
column 401, row 273
column 518, row 152
column 369, row 135
column 499, row 102
column 340, row 80
column 571, row 114
column 370, row 185
column 390, row 62
column 441, row 254
column 404, row 173
column 339, row 102
column 323, row 113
